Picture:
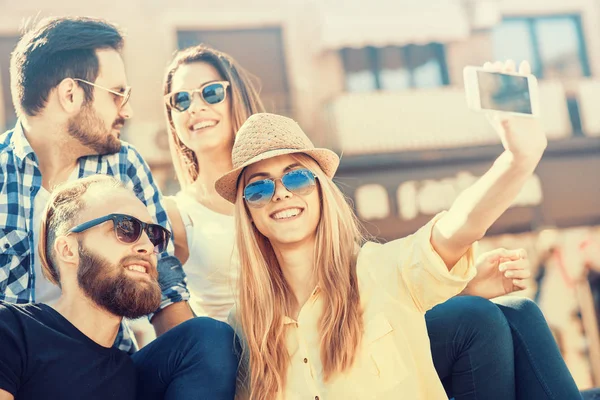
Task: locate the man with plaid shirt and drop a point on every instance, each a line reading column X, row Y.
column 70, row 92
column 72, row 100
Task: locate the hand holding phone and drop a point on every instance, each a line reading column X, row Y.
column 501, row 91
column 510, row 101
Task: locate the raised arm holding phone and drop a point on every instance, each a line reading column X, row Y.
column 476, row 209
column 322, row 313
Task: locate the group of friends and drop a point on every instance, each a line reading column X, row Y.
column 256, row 276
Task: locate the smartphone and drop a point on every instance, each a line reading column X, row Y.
column 511, row 93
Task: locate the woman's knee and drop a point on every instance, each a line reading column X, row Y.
column 516, row 309
column 210, row 340
column 480, row 314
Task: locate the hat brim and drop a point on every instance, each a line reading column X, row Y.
column 226, row 185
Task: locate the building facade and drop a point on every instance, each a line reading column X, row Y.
column 381, row 83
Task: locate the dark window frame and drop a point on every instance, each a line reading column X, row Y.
column 439, row 51
column 531, row 22
column 9, row 112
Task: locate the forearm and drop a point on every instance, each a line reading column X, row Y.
column 476, row 209
column 174, row 307
column 171, row 316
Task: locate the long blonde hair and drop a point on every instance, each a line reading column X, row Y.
column 264, row 295
column 244, row 100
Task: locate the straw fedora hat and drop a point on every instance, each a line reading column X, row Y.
column 264, row 136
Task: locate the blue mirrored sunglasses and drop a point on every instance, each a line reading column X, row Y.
column 299, row 181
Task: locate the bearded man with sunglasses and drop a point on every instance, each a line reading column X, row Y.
column 99, row 245
column 71, row 96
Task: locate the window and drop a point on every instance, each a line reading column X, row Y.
column 395, row 68
column 8, row 117
column 553, row 45
column 259, row 51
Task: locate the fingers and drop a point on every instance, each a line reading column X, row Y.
column 509, row 265
column 525, row 68
column 514, row 255
column 520, row 284
column 508, row 66
column 518, row 274
column 503, row 255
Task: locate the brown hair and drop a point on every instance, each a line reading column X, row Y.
column 60, row 215
column 55, row 49
column 245, row 101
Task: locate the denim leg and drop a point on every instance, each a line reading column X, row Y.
column 540, row 370
column 472, row 349
column 194, row 360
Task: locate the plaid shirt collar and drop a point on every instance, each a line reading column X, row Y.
column 21, row 147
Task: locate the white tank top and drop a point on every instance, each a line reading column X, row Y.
column 212, row 268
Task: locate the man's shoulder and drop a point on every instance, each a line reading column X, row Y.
column 20, row 311
column 18, row 317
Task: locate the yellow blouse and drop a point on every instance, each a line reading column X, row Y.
column 398, row 281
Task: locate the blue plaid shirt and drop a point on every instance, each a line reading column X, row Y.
column 20, row 181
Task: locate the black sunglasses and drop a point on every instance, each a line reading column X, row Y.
column 212, row 93
column 129, row 229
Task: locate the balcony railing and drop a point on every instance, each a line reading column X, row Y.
column 421, row 119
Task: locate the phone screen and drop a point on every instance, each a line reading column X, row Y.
column 502, row 92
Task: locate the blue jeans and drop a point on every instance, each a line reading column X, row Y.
column 504, row 351
column 194, row 360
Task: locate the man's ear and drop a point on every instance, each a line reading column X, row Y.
column 70, row 95
column 66, row 249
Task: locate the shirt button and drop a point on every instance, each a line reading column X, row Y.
column 6, row 246
column 31, row 189
column 316, row 397
column 305, row 360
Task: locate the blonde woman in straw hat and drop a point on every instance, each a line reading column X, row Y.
column 203, row 226
column 326, row 315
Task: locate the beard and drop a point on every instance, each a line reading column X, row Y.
column 112, row 289
column 89, row 129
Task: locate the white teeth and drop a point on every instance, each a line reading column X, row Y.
column 289, row 213
column 137, row 268
column 204, row 124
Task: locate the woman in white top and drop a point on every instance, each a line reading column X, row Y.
column 471, row 338
column 208, row 97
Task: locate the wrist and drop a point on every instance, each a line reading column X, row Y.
column 520, row 163
column 466, row 291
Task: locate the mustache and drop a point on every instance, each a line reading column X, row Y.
column 119, row 122
column 148, row 259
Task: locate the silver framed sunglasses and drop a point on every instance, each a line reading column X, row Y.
column 124, row 96
column 211, row 93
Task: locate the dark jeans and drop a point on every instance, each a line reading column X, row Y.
column 483, row 350
column 194, row 360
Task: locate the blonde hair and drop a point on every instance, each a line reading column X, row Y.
column 264, row 295
column 244, row 100
column 61, row 214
